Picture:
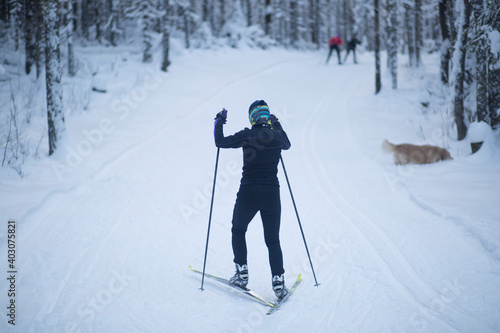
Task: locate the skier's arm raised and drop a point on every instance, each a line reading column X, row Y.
column 276, row 125
column 237, row 140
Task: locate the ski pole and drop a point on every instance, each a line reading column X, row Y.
column 298, row 219
column 210, row 218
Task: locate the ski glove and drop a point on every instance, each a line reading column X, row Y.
column 222, row 116
column 275, row 123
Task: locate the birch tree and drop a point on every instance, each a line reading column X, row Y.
column 392, row 41
column 55, row 112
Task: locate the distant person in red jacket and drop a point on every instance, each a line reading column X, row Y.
column 334, row 44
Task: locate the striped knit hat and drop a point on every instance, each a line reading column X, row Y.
column 258, row 113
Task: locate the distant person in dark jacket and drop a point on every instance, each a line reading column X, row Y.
column 351, row 46
column 259, row 188
column 334, row 43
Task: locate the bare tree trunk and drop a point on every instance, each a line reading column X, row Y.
column 30, row 41
column 71, row 54
column 113, row 24
column 85, row 19
column 494, row 97
column 16, row 22
column 482, row 50
column 344, row 19
column 222, row 6
column 99, row 17
column 281, row 11
column 184, row 13
column 418, row 31
column 318, row 22
column 3, row 11
column 494, row 78
column 147, row 40
column 39, row 32
column 451, row 22
column 392, row 38
column 294, row 24
column 55, row 112
column 410, row 38
column 166, row 35
column 378, row 82
column 459, row 109
column 249, row 12
column 328, row 19
column 445, row 47
column 315, row 22
column 208, row 14
column 268, row 16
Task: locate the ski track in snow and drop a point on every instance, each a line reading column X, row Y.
column 199, row 107
column 382, row 250
column 119, row 157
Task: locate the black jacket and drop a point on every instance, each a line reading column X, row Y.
column 262, row 147
column 351, row 45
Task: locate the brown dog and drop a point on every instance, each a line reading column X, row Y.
column 406, row 153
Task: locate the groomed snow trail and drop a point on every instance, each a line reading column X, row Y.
column 109, row 251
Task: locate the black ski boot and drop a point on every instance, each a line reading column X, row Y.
column 240, row 278
column 279, row 286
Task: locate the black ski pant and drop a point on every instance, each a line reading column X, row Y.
column 334, row 47
column 353, row 54
column 250, row 200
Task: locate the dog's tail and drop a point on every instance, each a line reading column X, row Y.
column 387, row 146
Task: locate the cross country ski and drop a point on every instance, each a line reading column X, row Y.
column 252, row 295
column 284, row 299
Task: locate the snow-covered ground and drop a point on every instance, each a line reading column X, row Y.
column 107, row 227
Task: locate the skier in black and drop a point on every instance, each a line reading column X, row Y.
column 259, row 188
column 351, row 46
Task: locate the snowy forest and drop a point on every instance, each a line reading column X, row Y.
column 42, row 40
